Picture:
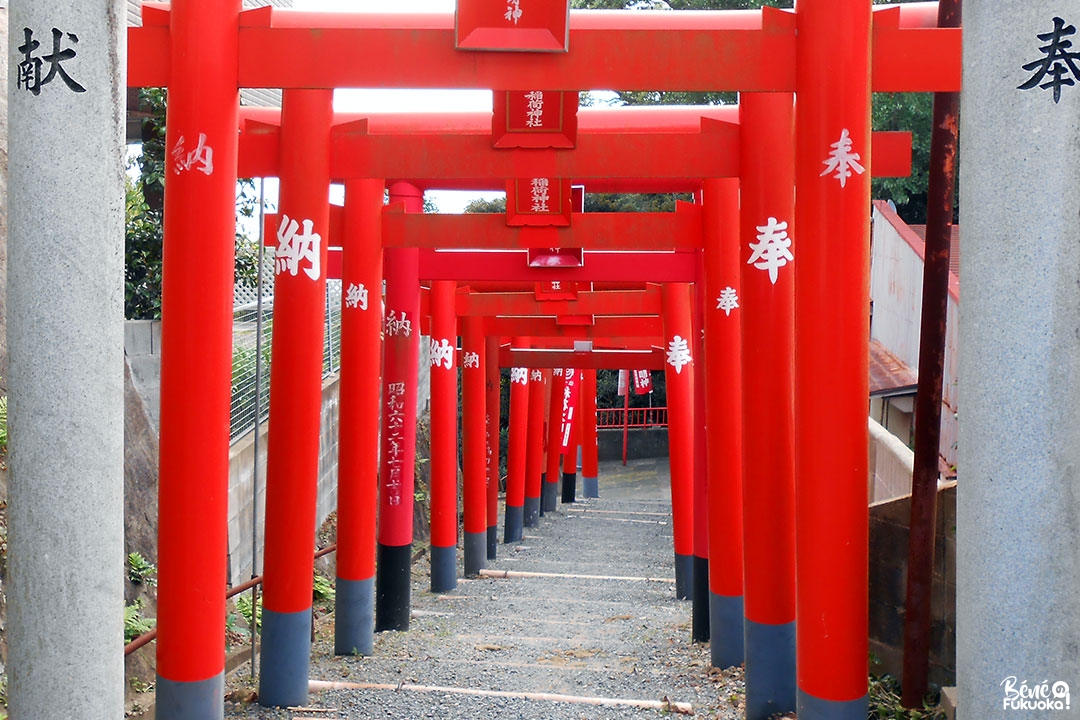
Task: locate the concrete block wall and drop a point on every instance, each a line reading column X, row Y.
column 142, row 346
column 889, row 523
column 640, row 443
column 241, row 471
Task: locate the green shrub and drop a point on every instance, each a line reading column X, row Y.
column 141, row 571
column 243, row 606
column 135, row 624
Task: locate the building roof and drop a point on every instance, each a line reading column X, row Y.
column 889, row 376
column 915, row 236
column 954, row 247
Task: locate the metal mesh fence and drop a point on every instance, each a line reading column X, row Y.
column 251, row 356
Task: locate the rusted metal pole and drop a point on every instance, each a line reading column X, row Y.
column 939, row 213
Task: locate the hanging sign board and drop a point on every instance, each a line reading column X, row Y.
column 512, row 25
column 534, row 119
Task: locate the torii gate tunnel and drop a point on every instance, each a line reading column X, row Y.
column 779, row 232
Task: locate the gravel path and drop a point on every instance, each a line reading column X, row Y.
column 586, row 637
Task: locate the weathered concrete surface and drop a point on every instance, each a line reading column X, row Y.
column 889, row 523
column 65, row 296
column 1018, row 508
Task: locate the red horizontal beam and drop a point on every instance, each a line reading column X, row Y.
column 589, row 360
column 687, row 50
column 679, row 230
column 549, row 327
column 453, row 152
column 610, row 302
column 429, row 158
column 512, row 266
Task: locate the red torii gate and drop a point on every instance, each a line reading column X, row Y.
column 203, row 101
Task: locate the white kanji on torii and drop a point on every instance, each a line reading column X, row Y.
column 294, row 247
column 773, row 251
column 536, row 376
column 356, row 296
column 397, row 326
column 728, row 300
column 471, row 360
column 513, row 11
column 519, row 375
column 442, row 353
column 202, row 155
column 842, row 160
column 678, row 354
column 534, row 115
column 539, row 189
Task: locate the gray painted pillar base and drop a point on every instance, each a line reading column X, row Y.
column 492, row 542
column 770, row 670
column 532, row 512
column 284, row 658
column 812, row 708
column 684, row 576
column 354, row 617
column 590, row 487
column 540, row 500
column 443, row 569
column 549, row 496
column 726, row 632
column 189, row 700
column 700, row 619
column 475, row 553
column 393, row 587
column 512, row 530
column 569, row 487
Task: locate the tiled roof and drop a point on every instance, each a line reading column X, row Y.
column 889, row 376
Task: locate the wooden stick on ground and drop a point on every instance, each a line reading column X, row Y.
column 664, row 705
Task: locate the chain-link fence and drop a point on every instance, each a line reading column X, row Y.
column 252, row 334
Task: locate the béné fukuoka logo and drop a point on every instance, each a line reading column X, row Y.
column 1019, row 695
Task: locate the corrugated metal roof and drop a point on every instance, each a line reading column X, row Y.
column 889, row 376
column 954, row 247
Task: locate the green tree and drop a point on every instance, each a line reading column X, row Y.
column 480, row 205
column 145, row 201
column 891, row 111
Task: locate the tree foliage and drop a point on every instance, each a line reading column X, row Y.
column 144, row 217
column 891, row 111
column 480, row 205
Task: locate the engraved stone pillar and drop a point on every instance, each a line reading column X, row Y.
column 1018, row 612
column 66, row 305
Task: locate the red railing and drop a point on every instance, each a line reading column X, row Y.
column 612, row 418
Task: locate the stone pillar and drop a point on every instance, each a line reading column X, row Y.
column 1018, row 510
column 66, row 250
